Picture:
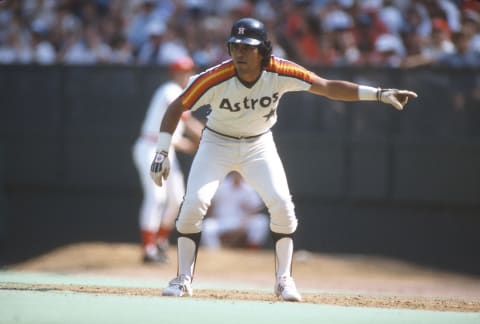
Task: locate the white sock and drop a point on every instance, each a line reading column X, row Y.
column 186, row 256
column 284, row 254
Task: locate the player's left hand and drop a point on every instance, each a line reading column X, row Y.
column 396, row 98
column 160, row 167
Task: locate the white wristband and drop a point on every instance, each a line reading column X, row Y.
column 367, row 93
column 163, row 142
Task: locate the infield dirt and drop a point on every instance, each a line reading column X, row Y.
column 347, row 280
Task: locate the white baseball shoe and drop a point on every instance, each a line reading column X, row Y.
column 178, row 287
column 285, row 288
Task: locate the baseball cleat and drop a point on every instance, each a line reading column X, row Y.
column 155, row 256
column 285, row 289
column 178, row 287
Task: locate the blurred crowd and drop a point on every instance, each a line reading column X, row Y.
column 392, row 33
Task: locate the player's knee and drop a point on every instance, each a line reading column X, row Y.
column 188, row 226
column 190, row 216
column 282, row 218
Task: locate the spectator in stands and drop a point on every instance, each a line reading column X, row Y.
column 149, row 51
column 202, row 40
column 88, row 48
column 306, row 30
column 462, row 57
column 163, row 45
column 138, row 29
column 389, row 51
column 434, row 48
column 122, row 52
column 368, row 27
column 391, row 16
column 8, row 54
column 417, row 21
column 172, row 47
column 348, row 53
column 471, row 27
column 303, row 33
column 43, row 51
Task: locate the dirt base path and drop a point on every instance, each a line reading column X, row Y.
column 322, row 279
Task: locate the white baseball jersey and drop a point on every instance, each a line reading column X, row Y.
column 163, row 96
column 237, row 138
column 240, row 109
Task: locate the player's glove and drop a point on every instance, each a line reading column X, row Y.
column 396, row 98
column 161, row 165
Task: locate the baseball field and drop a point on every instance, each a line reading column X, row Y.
column 107, row 283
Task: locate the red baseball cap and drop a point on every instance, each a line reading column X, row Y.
column 182, row 64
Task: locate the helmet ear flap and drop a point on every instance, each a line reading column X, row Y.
column 266, row 51
column 267, row 48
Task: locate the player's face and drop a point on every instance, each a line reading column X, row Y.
column 247, row 61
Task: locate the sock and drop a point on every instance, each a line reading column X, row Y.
column 163, row 232
column 187, row 248
column 163, row 236
column 284, row 254
column 148, row 238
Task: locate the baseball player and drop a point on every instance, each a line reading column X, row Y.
column 235, row 217
column 244, row 93
column 160, row 205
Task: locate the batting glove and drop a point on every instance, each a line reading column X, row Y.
column 160, row 168
column 396, row 98
column 161, row 165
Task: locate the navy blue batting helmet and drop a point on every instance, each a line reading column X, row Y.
column 248, row 31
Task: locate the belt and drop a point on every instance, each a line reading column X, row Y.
column 236, row 137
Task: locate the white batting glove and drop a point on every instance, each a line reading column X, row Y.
column 396, row 98
column 161, row 164
column 160, row 167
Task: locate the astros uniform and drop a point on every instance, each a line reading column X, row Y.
column 238, row 137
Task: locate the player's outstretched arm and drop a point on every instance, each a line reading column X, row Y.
column 349, row 91
column 160, row 167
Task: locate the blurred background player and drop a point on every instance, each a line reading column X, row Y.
column 236, row 217
column 160, row 205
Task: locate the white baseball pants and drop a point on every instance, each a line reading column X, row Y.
column 256, row 159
